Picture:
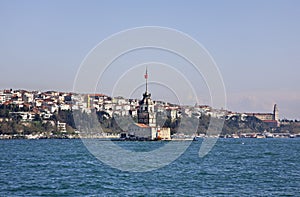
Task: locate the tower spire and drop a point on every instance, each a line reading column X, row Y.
column 146, row 114
column 146, row 77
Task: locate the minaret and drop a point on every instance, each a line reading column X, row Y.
column 275, row 113
column 146, row 114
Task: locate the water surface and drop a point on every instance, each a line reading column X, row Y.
column 235, row 167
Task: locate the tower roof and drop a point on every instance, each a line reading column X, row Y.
column 146, row 96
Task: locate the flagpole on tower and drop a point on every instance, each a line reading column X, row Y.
column 146, row 77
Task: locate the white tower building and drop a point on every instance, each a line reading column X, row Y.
column 275, row 113
column 146, row 114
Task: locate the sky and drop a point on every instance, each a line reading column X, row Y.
column 254, row 43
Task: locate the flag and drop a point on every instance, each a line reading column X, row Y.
column 146, row 75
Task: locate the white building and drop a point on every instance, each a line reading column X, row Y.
column 61, row 127
column 172, row 113
column 2, row 98
column 28, row 97
column 146, row 126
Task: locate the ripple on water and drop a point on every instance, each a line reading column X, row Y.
column 259, row 167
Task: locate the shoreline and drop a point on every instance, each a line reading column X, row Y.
column 21, row 137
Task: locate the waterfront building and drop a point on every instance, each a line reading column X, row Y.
column 271, row 119
column 146, row 126
column 61, row 126
column 172, row 113
column 146, row 114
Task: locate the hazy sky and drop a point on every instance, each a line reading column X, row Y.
column 256, row 44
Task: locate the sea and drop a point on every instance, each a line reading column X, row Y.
column 233, row 167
